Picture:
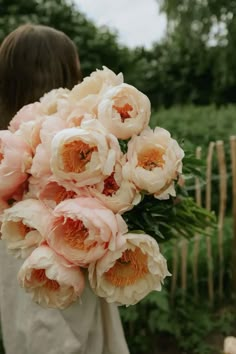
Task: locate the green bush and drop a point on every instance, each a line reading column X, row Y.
column 156, row 325
column 198, row 126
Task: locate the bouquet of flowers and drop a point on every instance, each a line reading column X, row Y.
column 87, row 189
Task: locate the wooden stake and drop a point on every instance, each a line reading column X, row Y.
column 175, row 258
column 233, row 163
column 222, row 208
column 208, row 207
column 198, row 196
column 184, row 257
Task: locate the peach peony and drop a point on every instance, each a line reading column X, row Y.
column 154, row 161
column 52, row 193
column 28, row 113
column 83, row 156
column 115, row 192
column 51, row 280
column 124, row 111
column 128, row 274
column 54, row 101
column 15, row 162
column 83, row 230
column 24, row 226
column 95, row 84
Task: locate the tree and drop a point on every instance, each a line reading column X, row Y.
column 97, row 46
column 209, row 26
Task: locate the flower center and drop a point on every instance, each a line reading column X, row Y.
column 129, row 268
column 40, row 276
column 151, row 159
column 23, row 229
column 75, row 234
column 110, row 186
column 56, row 192
column 124, row 111
column 76, row 155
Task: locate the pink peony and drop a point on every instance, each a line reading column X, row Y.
column 28, row 113
column 15, row 162
column 24, row 226
column 52, row 281
column 83, row 230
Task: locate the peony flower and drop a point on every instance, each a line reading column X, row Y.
column 3, row 206
column 154, row 161
column 115, row 192
column 24, row 226
column 83, row 156
column 54, row 101
column 76, row 117
column 28, row 113
column 95, row 84
column 30, row 132
column 41, row 163
column 52, row 281
column 53, row 193
column 83, row 230
column 128, row 274
column 15, row 161
column 50, row 128
column 124, row 111
column 230, row 345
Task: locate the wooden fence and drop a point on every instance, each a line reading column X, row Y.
column 180, row 258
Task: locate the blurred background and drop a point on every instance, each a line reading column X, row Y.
column 181, row 54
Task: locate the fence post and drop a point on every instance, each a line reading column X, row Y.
column 233, row 163
column 222, row 208
column 198, row 197
column 208, row 207
column 174, row 271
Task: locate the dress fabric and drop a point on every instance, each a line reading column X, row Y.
column 91, row 326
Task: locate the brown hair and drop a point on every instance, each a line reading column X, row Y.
column 34, row 59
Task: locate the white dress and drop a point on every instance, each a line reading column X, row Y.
column 93, row 327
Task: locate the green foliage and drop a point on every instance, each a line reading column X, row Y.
column 198, row 126
column 97, row 46
column 186, row 325
column 165, row 219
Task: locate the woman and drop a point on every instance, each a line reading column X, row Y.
column 33, row 61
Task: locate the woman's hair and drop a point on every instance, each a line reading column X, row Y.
column 34, row 59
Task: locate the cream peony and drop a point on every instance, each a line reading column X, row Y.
column 15, row 162
column 230, row 345
column 124, row 111
column 24, row 226
column 51, row 280
column 95, row 84
column 115, row 192
column 83, row 156
column 128, row 274
column 54, row 101
column 154, row 161
column 83, row 230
